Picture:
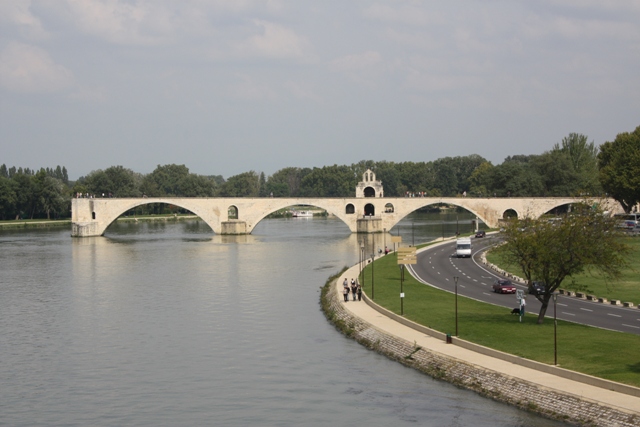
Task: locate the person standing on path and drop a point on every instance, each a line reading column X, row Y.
column 354, row 289
column 359, row 293
column 345, row 292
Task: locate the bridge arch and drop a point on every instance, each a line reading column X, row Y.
column 349, row 209
column 117, row 207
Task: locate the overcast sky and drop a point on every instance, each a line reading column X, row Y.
column 228, row 86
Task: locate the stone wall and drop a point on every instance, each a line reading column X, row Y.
column 494, row 385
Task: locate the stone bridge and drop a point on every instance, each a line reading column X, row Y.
column 92, row 216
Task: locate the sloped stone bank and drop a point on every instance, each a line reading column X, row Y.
column 494, row 385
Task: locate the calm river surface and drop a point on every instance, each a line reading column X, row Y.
column 167, row 324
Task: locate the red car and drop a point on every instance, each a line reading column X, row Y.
column 503, row 286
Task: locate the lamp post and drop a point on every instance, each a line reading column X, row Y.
column 372, row 275
column 401, row 291
column 555, row 328
column 455, row 279
column 361, row 278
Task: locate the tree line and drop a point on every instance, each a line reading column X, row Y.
column 571, row 168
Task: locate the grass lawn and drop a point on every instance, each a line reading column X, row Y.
column 601, row 353
column 627, row 288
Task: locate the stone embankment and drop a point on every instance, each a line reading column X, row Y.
column 492, row 384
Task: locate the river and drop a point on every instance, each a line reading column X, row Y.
column 167, row 324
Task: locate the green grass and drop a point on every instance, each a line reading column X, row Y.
column 593, row 351
column 627, row 288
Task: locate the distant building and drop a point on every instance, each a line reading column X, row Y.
column 369, row 186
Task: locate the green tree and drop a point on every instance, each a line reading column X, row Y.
column 246, row 184
column 585, row 240
column 619, row 163
column 8, row 198
column 329, row 181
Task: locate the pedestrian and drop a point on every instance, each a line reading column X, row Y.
column 345, row 284
column 523, row 304
column 345, row 292
column 386, row 250
column 354, row 289
column 359, row 293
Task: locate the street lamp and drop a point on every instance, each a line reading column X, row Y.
column 555, row 329
column 372, row 276
column 362, row 262
column 401, row 291
column 455, row 279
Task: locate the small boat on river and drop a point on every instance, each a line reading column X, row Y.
column 302, row 214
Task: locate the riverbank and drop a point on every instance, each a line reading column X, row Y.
column 499, row 379
column 35, row 223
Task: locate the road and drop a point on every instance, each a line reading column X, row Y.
column 438, row 265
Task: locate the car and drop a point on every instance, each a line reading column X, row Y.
column 537, row 288
column 481, row 233
column 503, row 286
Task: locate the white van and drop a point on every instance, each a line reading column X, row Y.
column 463, row 247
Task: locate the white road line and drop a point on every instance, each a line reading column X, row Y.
column 586, row 309
column 568, row 314
column 614, row 315
column 631, row 326
column 562, row 305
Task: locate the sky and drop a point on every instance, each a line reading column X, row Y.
column 230, row 86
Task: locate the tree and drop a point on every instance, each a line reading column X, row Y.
column 243, row 185
column 619, row 163
column 585, row 240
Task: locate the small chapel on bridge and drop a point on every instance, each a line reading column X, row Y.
column 369, row 186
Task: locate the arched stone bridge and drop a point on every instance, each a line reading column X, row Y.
column 91, row 217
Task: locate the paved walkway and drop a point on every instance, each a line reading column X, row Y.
column 623, row 402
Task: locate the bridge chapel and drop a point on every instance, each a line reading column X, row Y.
column 369, row 186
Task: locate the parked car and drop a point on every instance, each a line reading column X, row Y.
column 481, row 233
column 503, row 286
column 536, row 288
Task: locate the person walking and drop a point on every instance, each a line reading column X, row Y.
column 359, row 293
column 354, row 289
column 345, row 292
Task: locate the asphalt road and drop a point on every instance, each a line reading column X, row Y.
column 437, row 266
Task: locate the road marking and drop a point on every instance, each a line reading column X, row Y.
column 562, row 305
column 568, row 314
column 586, row 309
column 483, row 284
column 631, row 326
column 486, row 293
column 614, row 315
column 475, row 280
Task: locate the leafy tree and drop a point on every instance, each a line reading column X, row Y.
column 480, row 180
column 619, row 163
column 8, row 197
column 286, row 182
column 4, row 172
column 585, row 240
column 49, row 193
column 166, row 179
column 243, row 185
column 329, row 181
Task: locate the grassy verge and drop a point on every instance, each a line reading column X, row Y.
column 34, row 223
column 593, row 351
column 627, row 288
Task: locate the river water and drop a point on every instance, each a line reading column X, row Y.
column 167, row 324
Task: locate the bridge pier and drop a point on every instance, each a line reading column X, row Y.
column 233, row 227
column 369, row 225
